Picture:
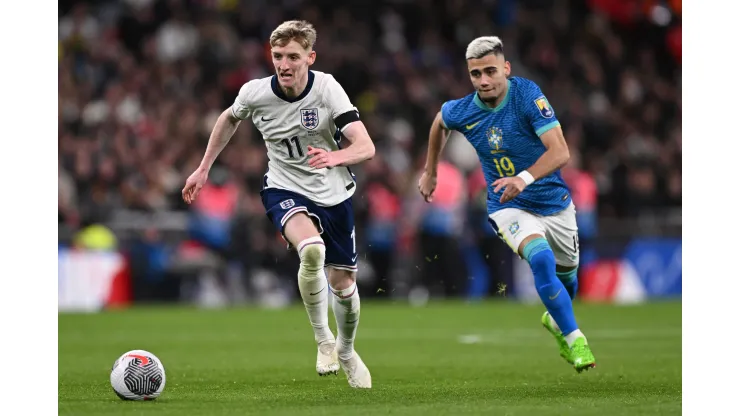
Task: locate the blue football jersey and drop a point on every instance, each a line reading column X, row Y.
column 507, row 140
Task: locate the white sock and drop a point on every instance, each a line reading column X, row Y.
column 573, row 336
column 553, row 323
column 313, row 287
column 346, row 305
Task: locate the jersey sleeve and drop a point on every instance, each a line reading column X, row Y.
column 240, row 109
column 341, row 108
column 448, row 115
column 537, row 109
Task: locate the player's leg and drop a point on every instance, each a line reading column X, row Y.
column 538, row 253
column 302, row 233
column 289, row 212
column 341, row 262
column 563, row 230
column 567, row 275
column 562, row 233
column 525, row 233
column 346, row 306
column 566, row 268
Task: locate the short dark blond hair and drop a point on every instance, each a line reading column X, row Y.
column 300, row 31
column 484, row 45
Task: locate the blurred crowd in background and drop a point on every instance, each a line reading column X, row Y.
column 141, row 83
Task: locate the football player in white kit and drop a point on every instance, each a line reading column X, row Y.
column 307, row 190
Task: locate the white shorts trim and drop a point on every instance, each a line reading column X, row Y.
column 292, row 212
column 342, row 267
column 296, row 210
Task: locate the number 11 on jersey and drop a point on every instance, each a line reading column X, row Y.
column 297, row 144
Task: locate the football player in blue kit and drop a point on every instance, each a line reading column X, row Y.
column 521, row 147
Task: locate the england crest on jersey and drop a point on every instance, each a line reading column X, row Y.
column 310, row 118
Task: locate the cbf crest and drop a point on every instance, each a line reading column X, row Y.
column 310, row 118
column 495, row 137
column 544, row 106
column 514, row 227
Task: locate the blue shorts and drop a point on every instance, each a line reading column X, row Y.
column 336, row 224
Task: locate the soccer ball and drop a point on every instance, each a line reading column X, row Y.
column 137, row 375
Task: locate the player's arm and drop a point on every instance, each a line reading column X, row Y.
column 538, row 113
column 226, row 125
column 361, row 146
column 221, row 134
column 438, row 135
column 347, row 119
column 541, row 117
column 554, row 158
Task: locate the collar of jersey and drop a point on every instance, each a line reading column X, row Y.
column 483, row 105
column 279, row 92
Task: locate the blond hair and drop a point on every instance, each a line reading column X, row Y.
column 484, row 45
column 300, row 31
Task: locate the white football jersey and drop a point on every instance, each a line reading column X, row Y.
column 290, row 125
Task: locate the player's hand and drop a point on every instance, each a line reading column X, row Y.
column 513, row 186
column 194, row 184
column 427, row 185
column 321, row 158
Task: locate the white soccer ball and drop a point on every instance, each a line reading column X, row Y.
column 138, row 375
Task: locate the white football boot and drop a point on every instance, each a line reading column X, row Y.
column 327, row 361
column 358, row 375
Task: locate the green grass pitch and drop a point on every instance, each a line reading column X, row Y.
column 447, row 358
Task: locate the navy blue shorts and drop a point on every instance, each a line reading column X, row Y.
column 336, row 224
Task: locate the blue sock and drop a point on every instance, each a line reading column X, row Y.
column 570, row 281
column 541, row 259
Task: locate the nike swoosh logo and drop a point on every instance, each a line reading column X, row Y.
column 354, row 258
column 470, row 126
column 268, row 119
column 556, row 295
column 322, row 289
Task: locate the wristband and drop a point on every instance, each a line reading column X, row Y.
column 528, row 178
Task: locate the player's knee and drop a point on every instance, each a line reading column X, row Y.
column 568, row 275
column 569, row 278
column 341, row 279
column 312, row 253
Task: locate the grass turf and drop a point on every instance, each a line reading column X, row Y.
column 447, row 358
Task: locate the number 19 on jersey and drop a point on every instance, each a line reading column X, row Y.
column 504, row 166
